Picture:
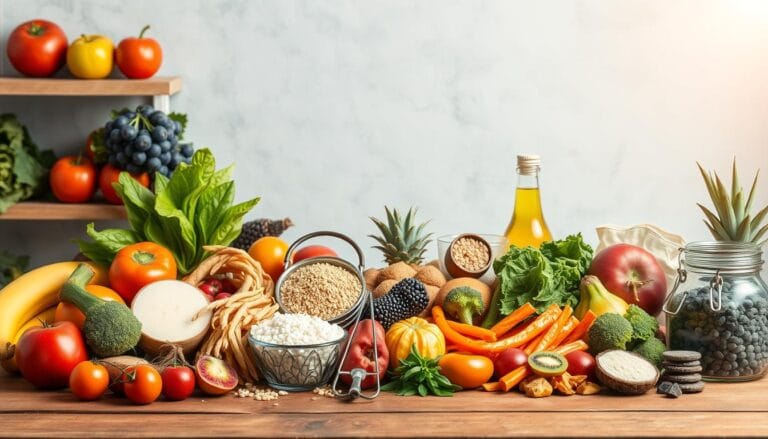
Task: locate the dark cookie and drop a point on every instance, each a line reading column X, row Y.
column 681, row 363
column 693, row 387
column 681, row 356
column 682, row 370
column 683, row 379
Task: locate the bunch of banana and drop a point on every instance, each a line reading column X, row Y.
column 35, row 294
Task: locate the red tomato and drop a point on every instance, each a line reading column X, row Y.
column 89, row 381
column 73, row 179
column 178, row 382
column 109, row 174
column 140, row 264
column 144, row 384
column 37, row 48
column 47, row 355
column 139, row 58
column 509, row 360
column 580, row 363
column 313, row 251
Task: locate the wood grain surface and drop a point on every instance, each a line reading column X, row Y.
column 89, row 87
column 734, row 410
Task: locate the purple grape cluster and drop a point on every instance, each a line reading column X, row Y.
column 146, row 140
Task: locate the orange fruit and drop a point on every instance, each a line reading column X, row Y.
column 66, row 311
column 270, row 252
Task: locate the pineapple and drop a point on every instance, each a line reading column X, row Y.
column 734, row 220
column 401, row 240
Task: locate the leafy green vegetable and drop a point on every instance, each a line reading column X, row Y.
column 421, row 376
column 539, row 276
column 192, row 209
column 23, row 167
column 11, row 267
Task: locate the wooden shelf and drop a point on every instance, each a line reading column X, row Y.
column 36, row 210
column 90, row 87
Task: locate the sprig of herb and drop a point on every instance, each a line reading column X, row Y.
column 421, row 376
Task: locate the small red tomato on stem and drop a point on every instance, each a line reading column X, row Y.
column 73, row 179
column 178, row 382
column 143, row 384
column 139, row 58
column 88, row 381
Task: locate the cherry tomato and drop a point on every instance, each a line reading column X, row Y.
column 313, row 251
column 143, row 385
column 37, row 48
column 269, row 251
column 140, row 264
column 73, row 179
column 89, row 381
column 178, row 382
column 139, row 58
column 66, row 311
column 509, row 360
column 580, row 363
column 468, row 371
column 109, row 174
column 46, row 355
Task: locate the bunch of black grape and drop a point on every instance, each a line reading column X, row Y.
column 146, row 140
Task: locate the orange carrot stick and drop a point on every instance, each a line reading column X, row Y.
column 473, row 331
column 530, row 347
column 578, row 345
column 511, row 320
column 541, row 324
column 567, row 329
column 583, row 327
column 554, row 330
column 512, row 379
column 492, row 387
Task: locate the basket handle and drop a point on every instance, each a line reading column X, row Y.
column 308, row 236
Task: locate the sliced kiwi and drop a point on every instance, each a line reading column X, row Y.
column 547, row 364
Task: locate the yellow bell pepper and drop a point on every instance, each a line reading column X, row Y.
column 91, row 57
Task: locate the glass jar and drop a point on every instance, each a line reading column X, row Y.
column 719, row 307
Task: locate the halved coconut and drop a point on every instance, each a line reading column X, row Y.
column 166, row 309
column 626, row 372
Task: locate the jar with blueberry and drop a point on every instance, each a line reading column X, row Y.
column 719, row 307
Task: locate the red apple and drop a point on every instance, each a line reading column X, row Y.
column 633, row 274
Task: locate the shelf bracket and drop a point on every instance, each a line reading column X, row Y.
column 162, row 103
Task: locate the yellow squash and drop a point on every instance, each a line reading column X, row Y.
column 31, row 294
column 427, row 337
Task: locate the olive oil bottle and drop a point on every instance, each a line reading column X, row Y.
column 527, row 226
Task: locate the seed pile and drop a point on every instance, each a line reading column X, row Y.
column 322, row 290
column 258, row 393
column 470, row 254
column 732, row 342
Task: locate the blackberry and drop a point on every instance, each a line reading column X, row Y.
column 406, row 299
column 253, row 230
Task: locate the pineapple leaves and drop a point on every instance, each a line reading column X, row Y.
column 734, row 220
column 401, row 239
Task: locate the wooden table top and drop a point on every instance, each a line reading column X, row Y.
column 721, row 410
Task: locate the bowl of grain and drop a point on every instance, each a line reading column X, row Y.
column 497, row 245
column 296, row 352
column 326, row 287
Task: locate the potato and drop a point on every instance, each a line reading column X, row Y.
column 397, row 271
column 430, row 275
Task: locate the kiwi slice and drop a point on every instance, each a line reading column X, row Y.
column 547, row 364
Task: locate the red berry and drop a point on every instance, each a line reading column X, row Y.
column 222, row 296
column 209, row 289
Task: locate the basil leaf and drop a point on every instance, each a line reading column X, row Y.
column 106, row 243
column 139, row 201
column 422, row 390
column 232, row 224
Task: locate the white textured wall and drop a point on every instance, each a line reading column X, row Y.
column 332, row 109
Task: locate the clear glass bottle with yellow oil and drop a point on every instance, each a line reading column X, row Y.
column 527, row 226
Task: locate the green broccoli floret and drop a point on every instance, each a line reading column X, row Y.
column 463, row 304
column 651, row 349
column 643, row 325
column 609, row 331
column 110, row 327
